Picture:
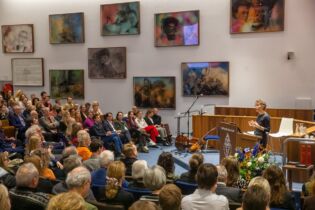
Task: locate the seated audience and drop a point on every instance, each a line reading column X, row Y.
column 79, row 180
column 76, row 127
column 121, row 127
column 150, row 129
column 195, row 161
column 96, row 108
column 166, row 161
column 24, row 195
column 4, row 198
column 234, row 179
column 147, row 205
column 83, row 112
column 138, row 169
column 204, row 197
column 4, row 112
column 50, row 125
column 309, row 202
column 307, row 187
column 17, row 120
column 89, row 121
column 108, row 125
column 233, row 194
column 255, row 198
column 44, row 171
column 154, row 179
column 170, row 197
column 262, row 182
column 114, row 193
column 93, row 163
column 130, row 156
column 281, row 197
column 99, row 175
column 9, row 144
column 67, row 201
column 6, row 175
column 84, row 143
column 107, row 136
column 148, row 119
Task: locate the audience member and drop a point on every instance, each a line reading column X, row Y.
column 99, row 175
column 234, row 179
column 148, row 119
column 108, row 125
column 231, row 193
column 24, row 196
column 67, row 201
column 4, row 198
column 6, row 176
column 145, row 205
column 84, row 140
column 121, row 127
column 195, row 161
column 130, row 156
column 281, row 197
column 141, row 124
column 89, row 121
column 166, row 161
column 83, row 112
column 79, row 180
column 255, row 198
column 114, row 193
column 170, row 197
column 93, row 163
column 138, row 169
column 96, row 108
column 17, row 120
column 204, row 197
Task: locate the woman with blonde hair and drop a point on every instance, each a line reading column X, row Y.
column 6, row 175
column 114, row 194
column 4, row 198
column 67, row 201
column 96, row 108
column 34, row 142
column 234, row 179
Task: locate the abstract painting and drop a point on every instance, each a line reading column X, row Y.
column 107, row 63
column 120, row 19
column 177, row 29
column 205, row 78
column 156, row 92
column 64, row 83
column 17, row 38
column 248, row 16
column 66, row 28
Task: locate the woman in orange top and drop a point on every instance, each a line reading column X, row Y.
column 84, row 143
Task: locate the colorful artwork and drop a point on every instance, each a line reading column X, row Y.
column 107, row 63
column 17, row 38
column 205, row 78
column 66, row 28
column 156, row 92
column 120, row 19
column 177, row 29
column 64, row 83
column 257, row 16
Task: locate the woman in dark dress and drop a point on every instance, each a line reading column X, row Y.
column 195, row 161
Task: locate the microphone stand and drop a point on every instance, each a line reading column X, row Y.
column 188, row 114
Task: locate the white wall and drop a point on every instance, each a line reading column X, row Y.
column 258, row 65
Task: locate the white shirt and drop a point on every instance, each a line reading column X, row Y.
column 204, row 200
column 141, row 123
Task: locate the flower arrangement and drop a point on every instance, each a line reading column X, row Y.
column 252, row 161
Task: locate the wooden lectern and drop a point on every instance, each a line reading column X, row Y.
column 231, row 137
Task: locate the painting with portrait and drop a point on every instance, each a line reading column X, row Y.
column 177, row 29
column 66, row 28
column 248, row 16
column 17, row 38
column 120, row 19
column 205, row 78
column 109, row 63
column 156, row 92
column 64, row 83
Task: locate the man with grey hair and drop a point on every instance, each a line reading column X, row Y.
column 79, row 181
column 48, row 122
column 99, row 176
column 231, row 193
column 24, row 195
column 17, row 120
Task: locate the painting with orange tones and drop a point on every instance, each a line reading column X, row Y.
column 248, row 16
column 156, row 92
column 66, row 28
column 120, row 19
column 177, row 29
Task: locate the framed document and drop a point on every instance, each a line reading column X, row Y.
column 28, row 71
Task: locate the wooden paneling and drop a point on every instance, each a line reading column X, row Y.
column 300, row 114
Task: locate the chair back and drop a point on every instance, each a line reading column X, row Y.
column 286, row 126
column 19, row 202
column 105, row 206
column 186, row 188
column 137, row 193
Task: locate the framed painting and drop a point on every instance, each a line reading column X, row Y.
column 109, row 63
column 27, row 71
column 177, row 29
column 120, row 19
column 249, row 16
column 66, row 28
column 17, row 38
column 64, row 83
column 156, row 92
column 205, row 78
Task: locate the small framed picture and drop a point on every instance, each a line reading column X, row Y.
column 17, row 38
column 28, row 71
